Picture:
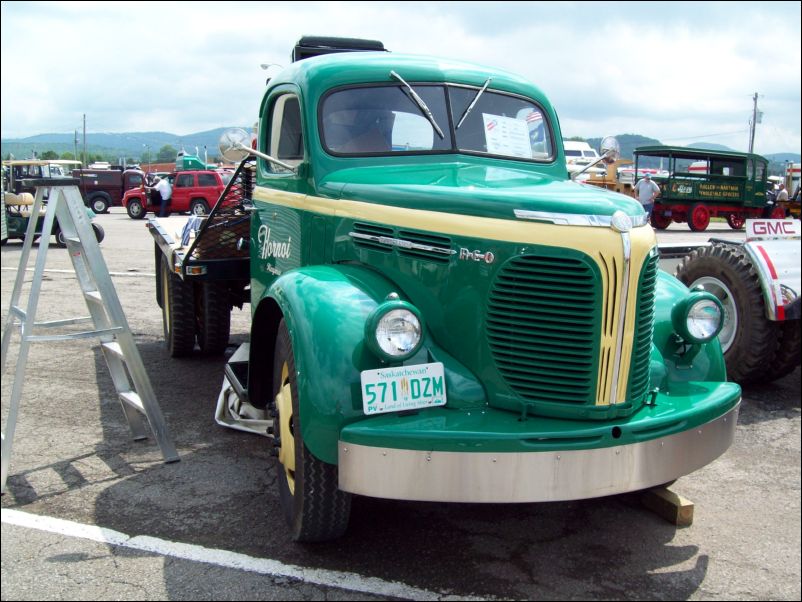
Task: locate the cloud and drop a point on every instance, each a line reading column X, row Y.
column 667, row 70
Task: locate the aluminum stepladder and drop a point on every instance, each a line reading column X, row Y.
column 110, row 325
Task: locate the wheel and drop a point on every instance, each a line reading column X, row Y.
column 748, row 339
column 736, row 221
column 699, row 217
column 787, row 357
column 213, row 318
column 313, row 505
column 100, row 234
column 198, row 207
column 777, row 213
column 135, row 209
column 178, row 315
column 61, row 240
column 100, row 203
column 660, row 221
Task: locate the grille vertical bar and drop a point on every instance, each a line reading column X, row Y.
column 644, row 327
column 542, row 328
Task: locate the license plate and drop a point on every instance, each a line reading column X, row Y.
column 403, row 388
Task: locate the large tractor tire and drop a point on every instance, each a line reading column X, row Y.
column 314, row 506
column 178, row 312
column 749, row 340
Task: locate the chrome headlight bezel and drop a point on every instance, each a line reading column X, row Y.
column 686, row 314
column 376, row 330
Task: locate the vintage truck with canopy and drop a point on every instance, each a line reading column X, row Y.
column 439, row 313
column 701, row 184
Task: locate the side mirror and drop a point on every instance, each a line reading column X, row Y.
column 610, row 149
column 235, row 146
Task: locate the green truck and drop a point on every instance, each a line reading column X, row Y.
column 440, row 314
column 697, row 184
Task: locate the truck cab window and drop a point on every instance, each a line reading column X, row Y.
column 286, row 135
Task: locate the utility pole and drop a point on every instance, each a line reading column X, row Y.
column 75, row 145
column 86, row 162
column 756, row 118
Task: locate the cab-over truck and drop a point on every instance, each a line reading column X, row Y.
column 440, row 314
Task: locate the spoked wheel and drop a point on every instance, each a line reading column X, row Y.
column 660, row 221
column 777, row 213
column 699, row 217
column 736, row 221
column 313, row 505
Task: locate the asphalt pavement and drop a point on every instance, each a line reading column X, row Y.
column 91, row 515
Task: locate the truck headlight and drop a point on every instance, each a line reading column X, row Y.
column 394, row 331
column 698, row 318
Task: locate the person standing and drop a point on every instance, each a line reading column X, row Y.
column 646, row 192
column 162, row 186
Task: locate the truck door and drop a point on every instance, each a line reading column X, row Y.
column 184, row 182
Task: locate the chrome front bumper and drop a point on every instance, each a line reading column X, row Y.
column 531, row 477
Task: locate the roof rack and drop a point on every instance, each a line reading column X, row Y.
column 309, row 46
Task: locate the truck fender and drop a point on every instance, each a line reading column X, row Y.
column 669, row 366
column 325, row 309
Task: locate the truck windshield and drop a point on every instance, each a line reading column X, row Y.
column 384, row 120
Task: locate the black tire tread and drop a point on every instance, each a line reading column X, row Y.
column 214, row 318
column 788, row 355
column 318, row 511
column 179, row 326
column 755, row 345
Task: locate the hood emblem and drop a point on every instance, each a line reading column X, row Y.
column 478, row 256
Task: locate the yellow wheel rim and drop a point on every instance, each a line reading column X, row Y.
column 286, row 453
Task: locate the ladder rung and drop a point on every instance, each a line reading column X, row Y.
column 75, row 335
column 20, row 313
column 114, row 348
column 132, row 399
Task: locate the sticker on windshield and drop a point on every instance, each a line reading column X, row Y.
column 507, row 136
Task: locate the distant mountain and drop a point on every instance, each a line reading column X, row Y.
column 784, row 157
column 711, row 146
column 128, row 144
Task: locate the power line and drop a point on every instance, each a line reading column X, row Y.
column 705, row 135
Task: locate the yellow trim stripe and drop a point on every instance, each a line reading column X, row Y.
column 603, row 245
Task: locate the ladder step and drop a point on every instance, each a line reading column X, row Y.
column 132, row 399
column 114, row 348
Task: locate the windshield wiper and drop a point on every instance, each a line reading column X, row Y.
column 473, row 102
column 421, row 105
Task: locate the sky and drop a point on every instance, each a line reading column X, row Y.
column 680, row 72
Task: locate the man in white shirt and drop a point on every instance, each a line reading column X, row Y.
column 646, row 191
column 162, row 186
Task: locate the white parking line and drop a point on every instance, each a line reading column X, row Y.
column 321, row 577
column 54, row 271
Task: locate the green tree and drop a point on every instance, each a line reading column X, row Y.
column 48, row 155
column 67, row 155
column 166, row 153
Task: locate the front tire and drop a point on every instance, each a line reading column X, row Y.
column 698, row 217
column 135, row 210
column 314, row 506
column 178, row 306
column 748, row 339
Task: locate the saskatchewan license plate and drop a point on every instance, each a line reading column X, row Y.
column 403, row 388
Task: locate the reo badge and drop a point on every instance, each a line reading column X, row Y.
column 466, row 255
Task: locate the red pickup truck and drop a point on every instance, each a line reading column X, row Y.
column 193, row 191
